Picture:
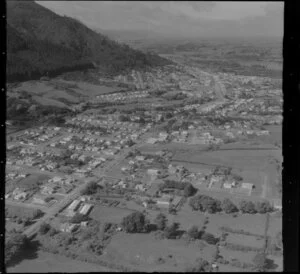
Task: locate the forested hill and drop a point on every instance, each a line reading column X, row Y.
column 40, row 42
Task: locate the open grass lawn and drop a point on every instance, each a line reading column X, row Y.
column 48, row 101
column 275, row 226
column 32, row 180
column 44, row 262
column 19, row 211
column 244, row 257
column 143, row 251
column 251, row 223
column 10, row 225
column 245, row 240
column 186, row 217
column 229, row 268
column 109, row 214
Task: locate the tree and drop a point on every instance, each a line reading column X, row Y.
column 134, row 223
column 247, row 207
column 193, row 232
column 161, row 221
column 263, row 207
column 260, row 262
column 189, row 190
column 228, row 206
column 171, row 231
column 44, row 228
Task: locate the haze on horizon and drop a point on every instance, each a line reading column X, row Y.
column 178, row 18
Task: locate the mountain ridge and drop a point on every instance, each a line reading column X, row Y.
column 40, row 42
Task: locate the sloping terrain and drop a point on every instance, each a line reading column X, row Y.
column 40, row 42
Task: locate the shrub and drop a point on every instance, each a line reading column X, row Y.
column 247, row 207
column 228, row 206
column 193, row 232
column 161, row 221
column 209, row 238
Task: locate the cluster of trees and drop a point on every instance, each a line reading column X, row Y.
column 187, row 188
column 23, row 217
column 15, row 242
column 91, row 188
column 206, row 203
column 194, row 233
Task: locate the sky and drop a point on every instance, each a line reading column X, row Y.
column 178, row 18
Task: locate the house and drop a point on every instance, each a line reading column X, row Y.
column 153, row 172
column 153, row 190
column 86, row 209
column 151, row 140
column 140, row 187
column 176, row 201
column 66, row 227
column 39, row 199
column 247, row 186
column 164, row 201
column 140, row 158
column 227, row 185
column 277, row 204
column 20, row 196
column 172, row 169
column 47, row 190
column 74, row 205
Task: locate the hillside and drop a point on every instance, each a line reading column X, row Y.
column 40, row 42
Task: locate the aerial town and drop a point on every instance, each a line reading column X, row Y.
column 153, row 158
column 167, row 168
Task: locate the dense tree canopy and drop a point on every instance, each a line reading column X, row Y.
column 14, row 243
column 135, row 223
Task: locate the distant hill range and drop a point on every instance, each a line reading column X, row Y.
column 42, row 43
